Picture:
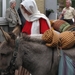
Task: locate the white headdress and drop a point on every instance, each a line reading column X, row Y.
column 30, row 6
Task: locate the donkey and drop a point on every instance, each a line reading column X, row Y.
column 32, row 54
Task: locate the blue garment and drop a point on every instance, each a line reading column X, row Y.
column 66, row 65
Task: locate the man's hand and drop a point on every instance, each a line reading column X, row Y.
column 63, row 12
column 21, row 71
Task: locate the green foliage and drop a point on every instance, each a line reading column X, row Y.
column 49, row 11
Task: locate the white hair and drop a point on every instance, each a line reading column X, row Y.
column 11, row 1
column 69, row 1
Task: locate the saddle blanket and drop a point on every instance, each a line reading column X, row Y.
column 66, row 65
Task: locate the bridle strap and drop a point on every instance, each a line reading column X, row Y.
column 52, row 58
column 12, row 62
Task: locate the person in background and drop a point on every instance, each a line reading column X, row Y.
column 68, row 13
column 12, row 16
column 21, row 17
column 36, row 22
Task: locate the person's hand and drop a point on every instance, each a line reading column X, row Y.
column 22, row 71
column 63, row 12
column 13, row 22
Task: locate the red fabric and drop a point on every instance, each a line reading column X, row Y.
column 27, row 27
column 43, row 26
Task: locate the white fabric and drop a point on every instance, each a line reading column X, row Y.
column 35, row 27
column 38, row 36
column 30, row 6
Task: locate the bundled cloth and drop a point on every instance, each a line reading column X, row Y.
column 52, row 38
column 60, row 25
column 67, row 39
column 71, row 28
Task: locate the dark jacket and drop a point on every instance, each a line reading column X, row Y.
column 21, row 17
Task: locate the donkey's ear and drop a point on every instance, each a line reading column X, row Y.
column 17, row 30
column 5, row 34
column 9, row 37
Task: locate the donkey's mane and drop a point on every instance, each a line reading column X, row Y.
column 32, row 39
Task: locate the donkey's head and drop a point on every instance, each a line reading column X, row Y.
column 7, row 48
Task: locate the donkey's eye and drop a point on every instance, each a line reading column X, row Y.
column 3, row 54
